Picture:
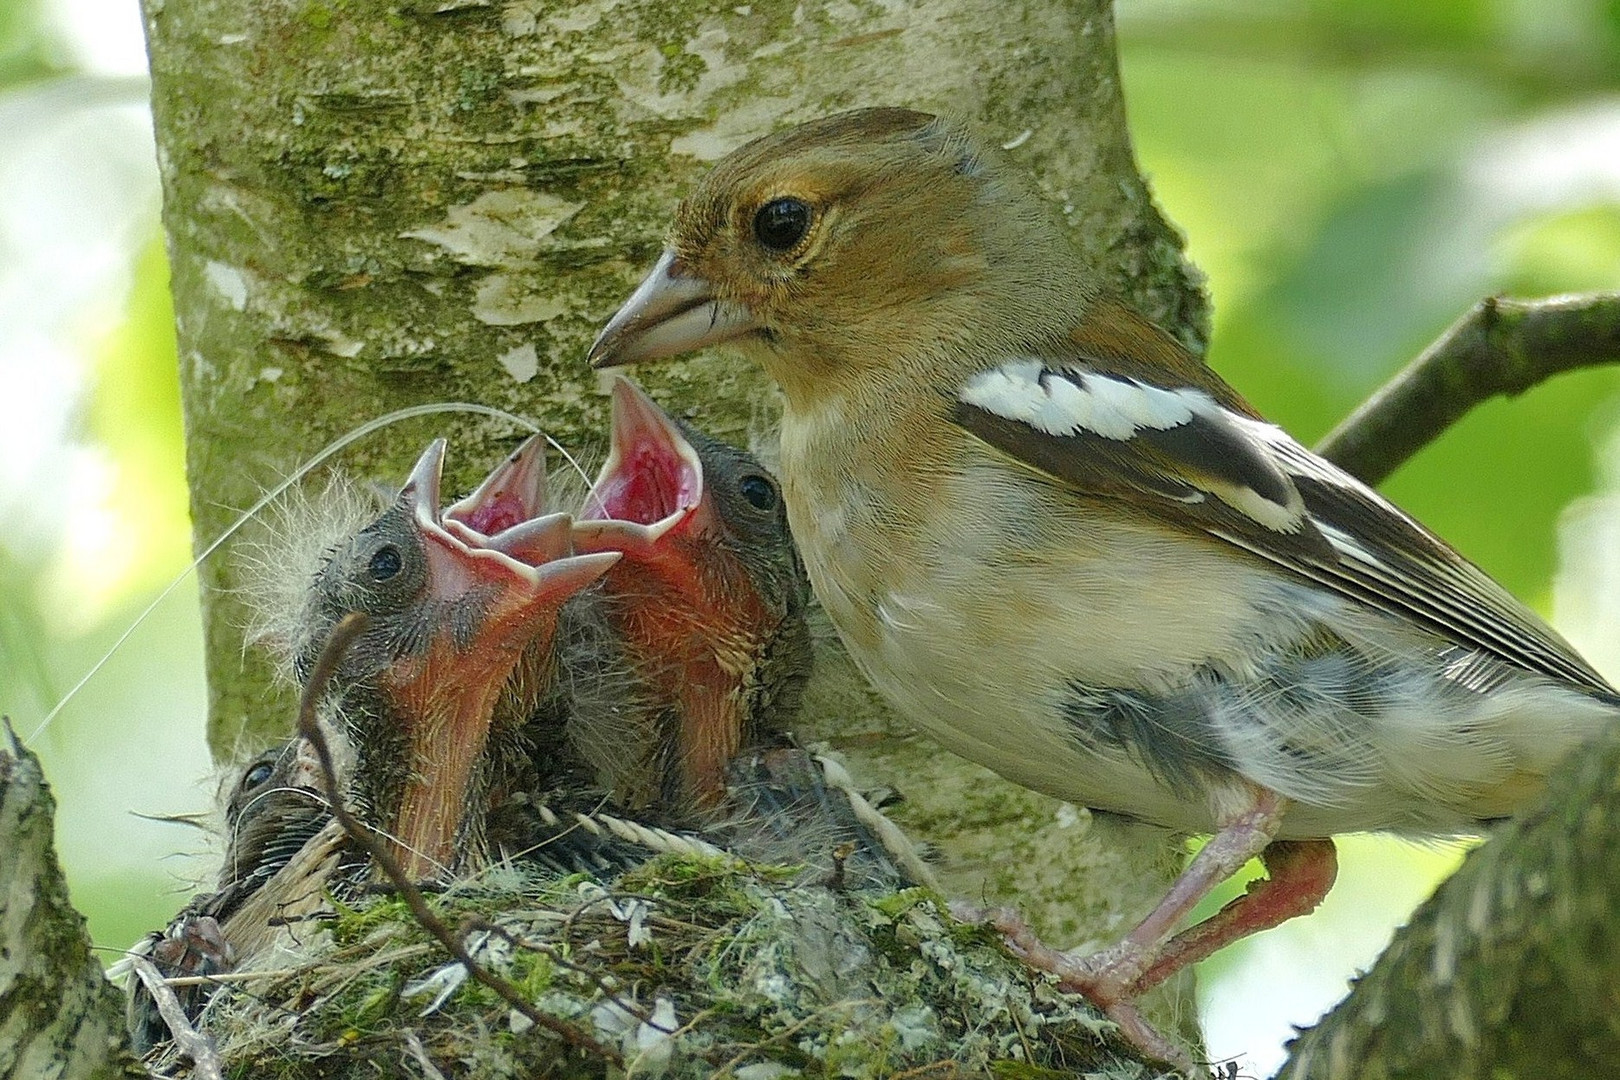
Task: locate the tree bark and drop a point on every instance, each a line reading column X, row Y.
column 372, row 206
column 1512, row 969
column 59, row 1017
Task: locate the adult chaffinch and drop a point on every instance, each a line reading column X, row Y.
column 1064, row 547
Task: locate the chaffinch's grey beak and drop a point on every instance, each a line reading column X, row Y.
column 672, row 311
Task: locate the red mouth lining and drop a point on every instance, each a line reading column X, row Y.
column 498, row 514
column 650, row 482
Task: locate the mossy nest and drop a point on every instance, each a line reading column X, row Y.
column 681, row 967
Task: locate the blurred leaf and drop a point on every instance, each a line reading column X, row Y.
column 1447, row 23
column 1328, row 212
column 1255, row 159
column 27, row 49
column 22, row 642
column 1578, row 251
column 1494, row 485
column 1386, row 259
column 1540, row 48
column 134, row 414
column 1386, row 271
column 136, row 371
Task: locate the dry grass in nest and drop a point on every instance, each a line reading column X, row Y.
column 681, row 967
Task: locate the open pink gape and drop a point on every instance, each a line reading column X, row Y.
column 650, row 486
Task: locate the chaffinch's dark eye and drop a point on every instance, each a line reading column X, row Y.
column 257, row 775
column 385, row 563
column 759, row 490
column 781, row 223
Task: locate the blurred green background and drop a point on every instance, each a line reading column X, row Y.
column 1350, row 175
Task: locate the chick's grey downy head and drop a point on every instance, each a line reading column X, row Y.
column 411, row 579
column 381, row 572
column 752, row 522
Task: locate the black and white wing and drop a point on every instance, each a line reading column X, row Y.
column 1185, row 456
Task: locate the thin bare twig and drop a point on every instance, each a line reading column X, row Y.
column 1499, row 347
column 198, row 1047
column 337, row 643
column 552, row 953
column 419, row 1052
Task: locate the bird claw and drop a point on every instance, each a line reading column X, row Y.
column 194, row 945
column 1108, row 978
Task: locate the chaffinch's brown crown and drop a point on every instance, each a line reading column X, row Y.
column 848, row 243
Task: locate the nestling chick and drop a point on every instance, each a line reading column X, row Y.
column 273, row 808
column 449, row 622
column 712, row 556
column 708, row 604
column 708, row 599
column 1064, row 547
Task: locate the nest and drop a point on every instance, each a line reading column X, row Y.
column 684, row 966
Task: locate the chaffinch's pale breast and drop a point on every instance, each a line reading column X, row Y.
column 1068, row 550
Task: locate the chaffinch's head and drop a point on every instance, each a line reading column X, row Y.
column 851, row 241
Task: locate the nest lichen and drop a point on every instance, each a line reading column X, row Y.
column 681, row 967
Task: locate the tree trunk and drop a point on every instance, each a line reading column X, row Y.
column 373, row 206
column 59, row 1017
column 1512, row 969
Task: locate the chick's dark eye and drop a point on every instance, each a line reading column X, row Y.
column 759, row 491
column 781, row 223
column 385, row 563
column 257, row 775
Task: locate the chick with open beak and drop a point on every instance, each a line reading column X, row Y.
column 675, row 677
column 453, row 609
column 709, row 597
column 451, row 614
